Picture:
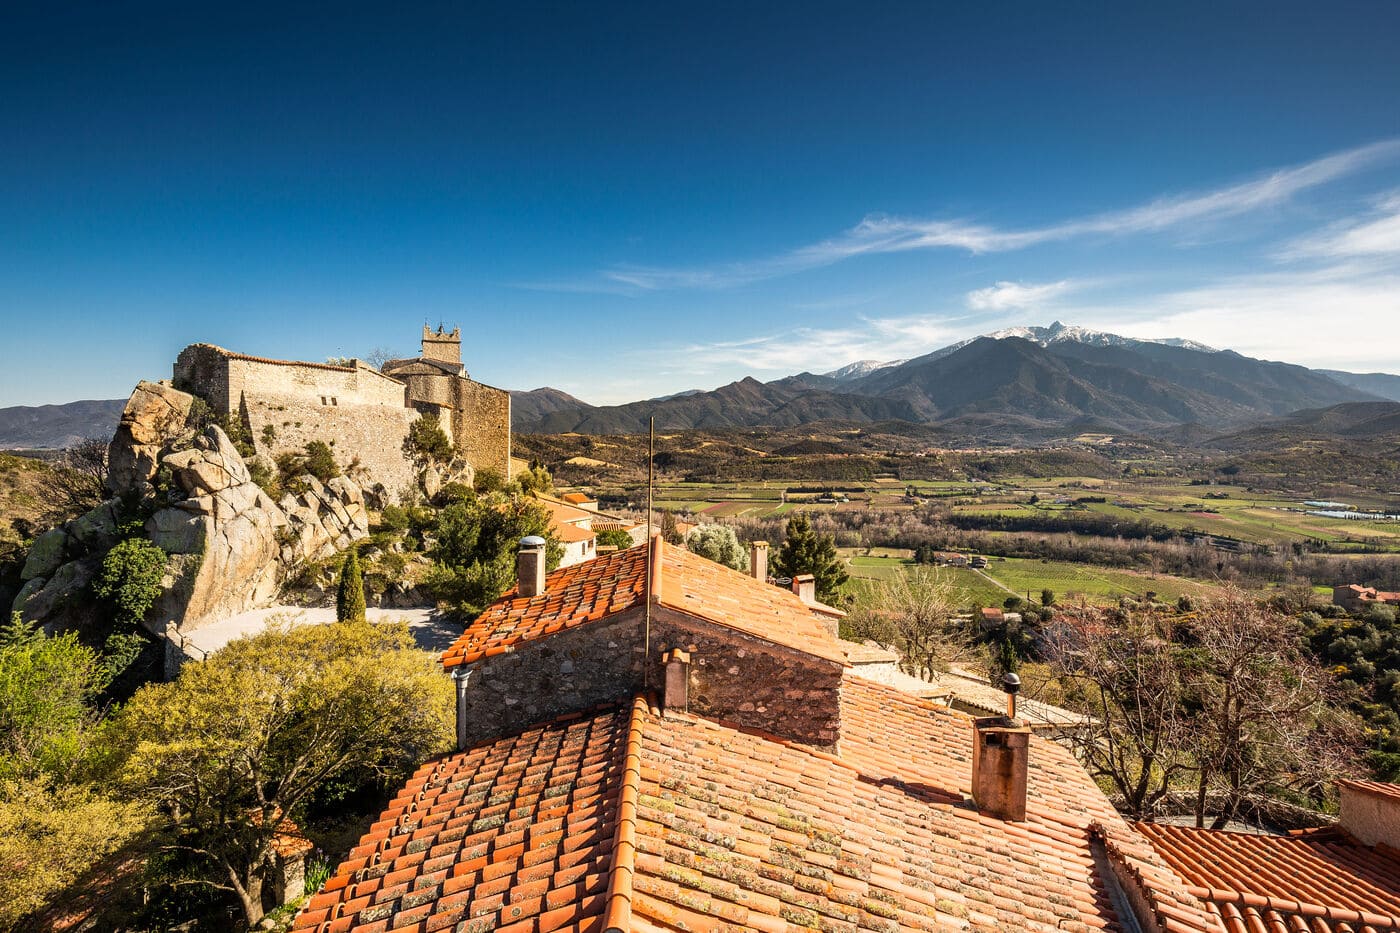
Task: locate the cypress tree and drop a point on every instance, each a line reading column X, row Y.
column 805, row 551
column 350, row 594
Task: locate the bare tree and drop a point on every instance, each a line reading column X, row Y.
column 914, row 613
column 1265, row 720
column 1124, row 667
column 381, row 355
column 75, row 484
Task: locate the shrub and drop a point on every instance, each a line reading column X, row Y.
column 130, row 579
column 320, row 461
column 427, row 442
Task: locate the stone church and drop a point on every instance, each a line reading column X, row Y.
column 362, row 412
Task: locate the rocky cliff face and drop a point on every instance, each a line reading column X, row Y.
column 230, row 546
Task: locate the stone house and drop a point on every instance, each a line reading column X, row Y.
column 1353, row 597
column 363, row 413
column 650, row 741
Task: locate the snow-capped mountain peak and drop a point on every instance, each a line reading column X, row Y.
column 860, row 368
column 1069, row 333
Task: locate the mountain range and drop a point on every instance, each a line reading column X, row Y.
column 1022, row 384
column 1019, row 385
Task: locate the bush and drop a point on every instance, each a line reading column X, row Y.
column 489, row 481
column 130, row 579
column 320, row 461
column 614, row 537
column 427, row 442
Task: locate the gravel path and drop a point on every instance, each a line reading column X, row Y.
column 430, row 630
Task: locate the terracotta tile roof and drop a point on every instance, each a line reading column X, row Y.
column 573, row 595
column 613, row 583
column 645, row 822
column 562, row 513
column 513, row 835
column 719, row 594
column 570, row 534
column 1313, row 880
column 735, row 827
column 576, row 498
column 1372, row 787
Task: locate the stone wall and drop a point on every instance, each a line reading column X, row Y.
column 733, row 677
column 748, row 681
column 481, row 426
column 574, row 670
column 373, row 435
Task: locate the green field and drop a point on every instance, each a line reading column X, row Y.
column 1022, row 576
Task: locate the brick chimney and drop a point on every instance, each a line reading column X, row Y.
column 1371, row 812
column 758, row 560
column 805, row 586
column 1001, row 759
column 529, row 566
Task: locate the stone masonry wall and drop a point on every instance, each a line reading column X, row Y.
column 373, row 434
column 481, row 426
column 574, row 670
column 733, row 677
column 751, row 682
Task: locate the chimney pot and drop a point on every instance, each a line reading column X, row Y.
column 805, row 586
column 1000, row 766
column 758, row 560
column 678, row 679
column 529, row 566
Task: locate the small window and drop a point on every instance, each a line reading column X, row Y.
column 333, row 400
column 323, row 400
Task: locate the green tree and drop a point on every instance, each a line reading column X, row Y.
column 50, row 835
column 489, row 481
column 476, row 546
column 427, row 442
column 719, row 544
column 238, row 743
column 614, row 537
column 1047, row 597
column 53, row 825
column 130, row 579
column 535, row 480
column 805, row 551
column 350, row 592
column 46, row 686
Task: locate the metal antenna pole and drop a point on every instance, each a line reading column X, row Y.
column 651, row 557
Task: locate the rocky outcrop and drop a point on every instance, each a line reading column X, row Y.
column 155, row 414
column 230, row 547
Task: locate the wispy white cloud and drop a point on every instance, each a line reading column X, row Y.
column 878, row 234
column 1376, row 235
column 1007, row 296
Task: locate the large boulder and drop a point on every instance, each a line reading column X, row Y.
column 96, row 531
column 154, row 414
column 46, row 554
column 212, row 465
column 66, row 590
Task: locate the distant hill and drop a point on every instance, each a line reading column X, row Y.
column 1383, row 384
column 26, row 427
column 748, row 402
column 529, row 407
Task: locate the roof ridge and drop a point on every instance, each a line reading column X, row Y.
column 617, row 916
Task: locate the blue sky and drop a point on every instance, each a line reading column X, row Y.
column 624, row 201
